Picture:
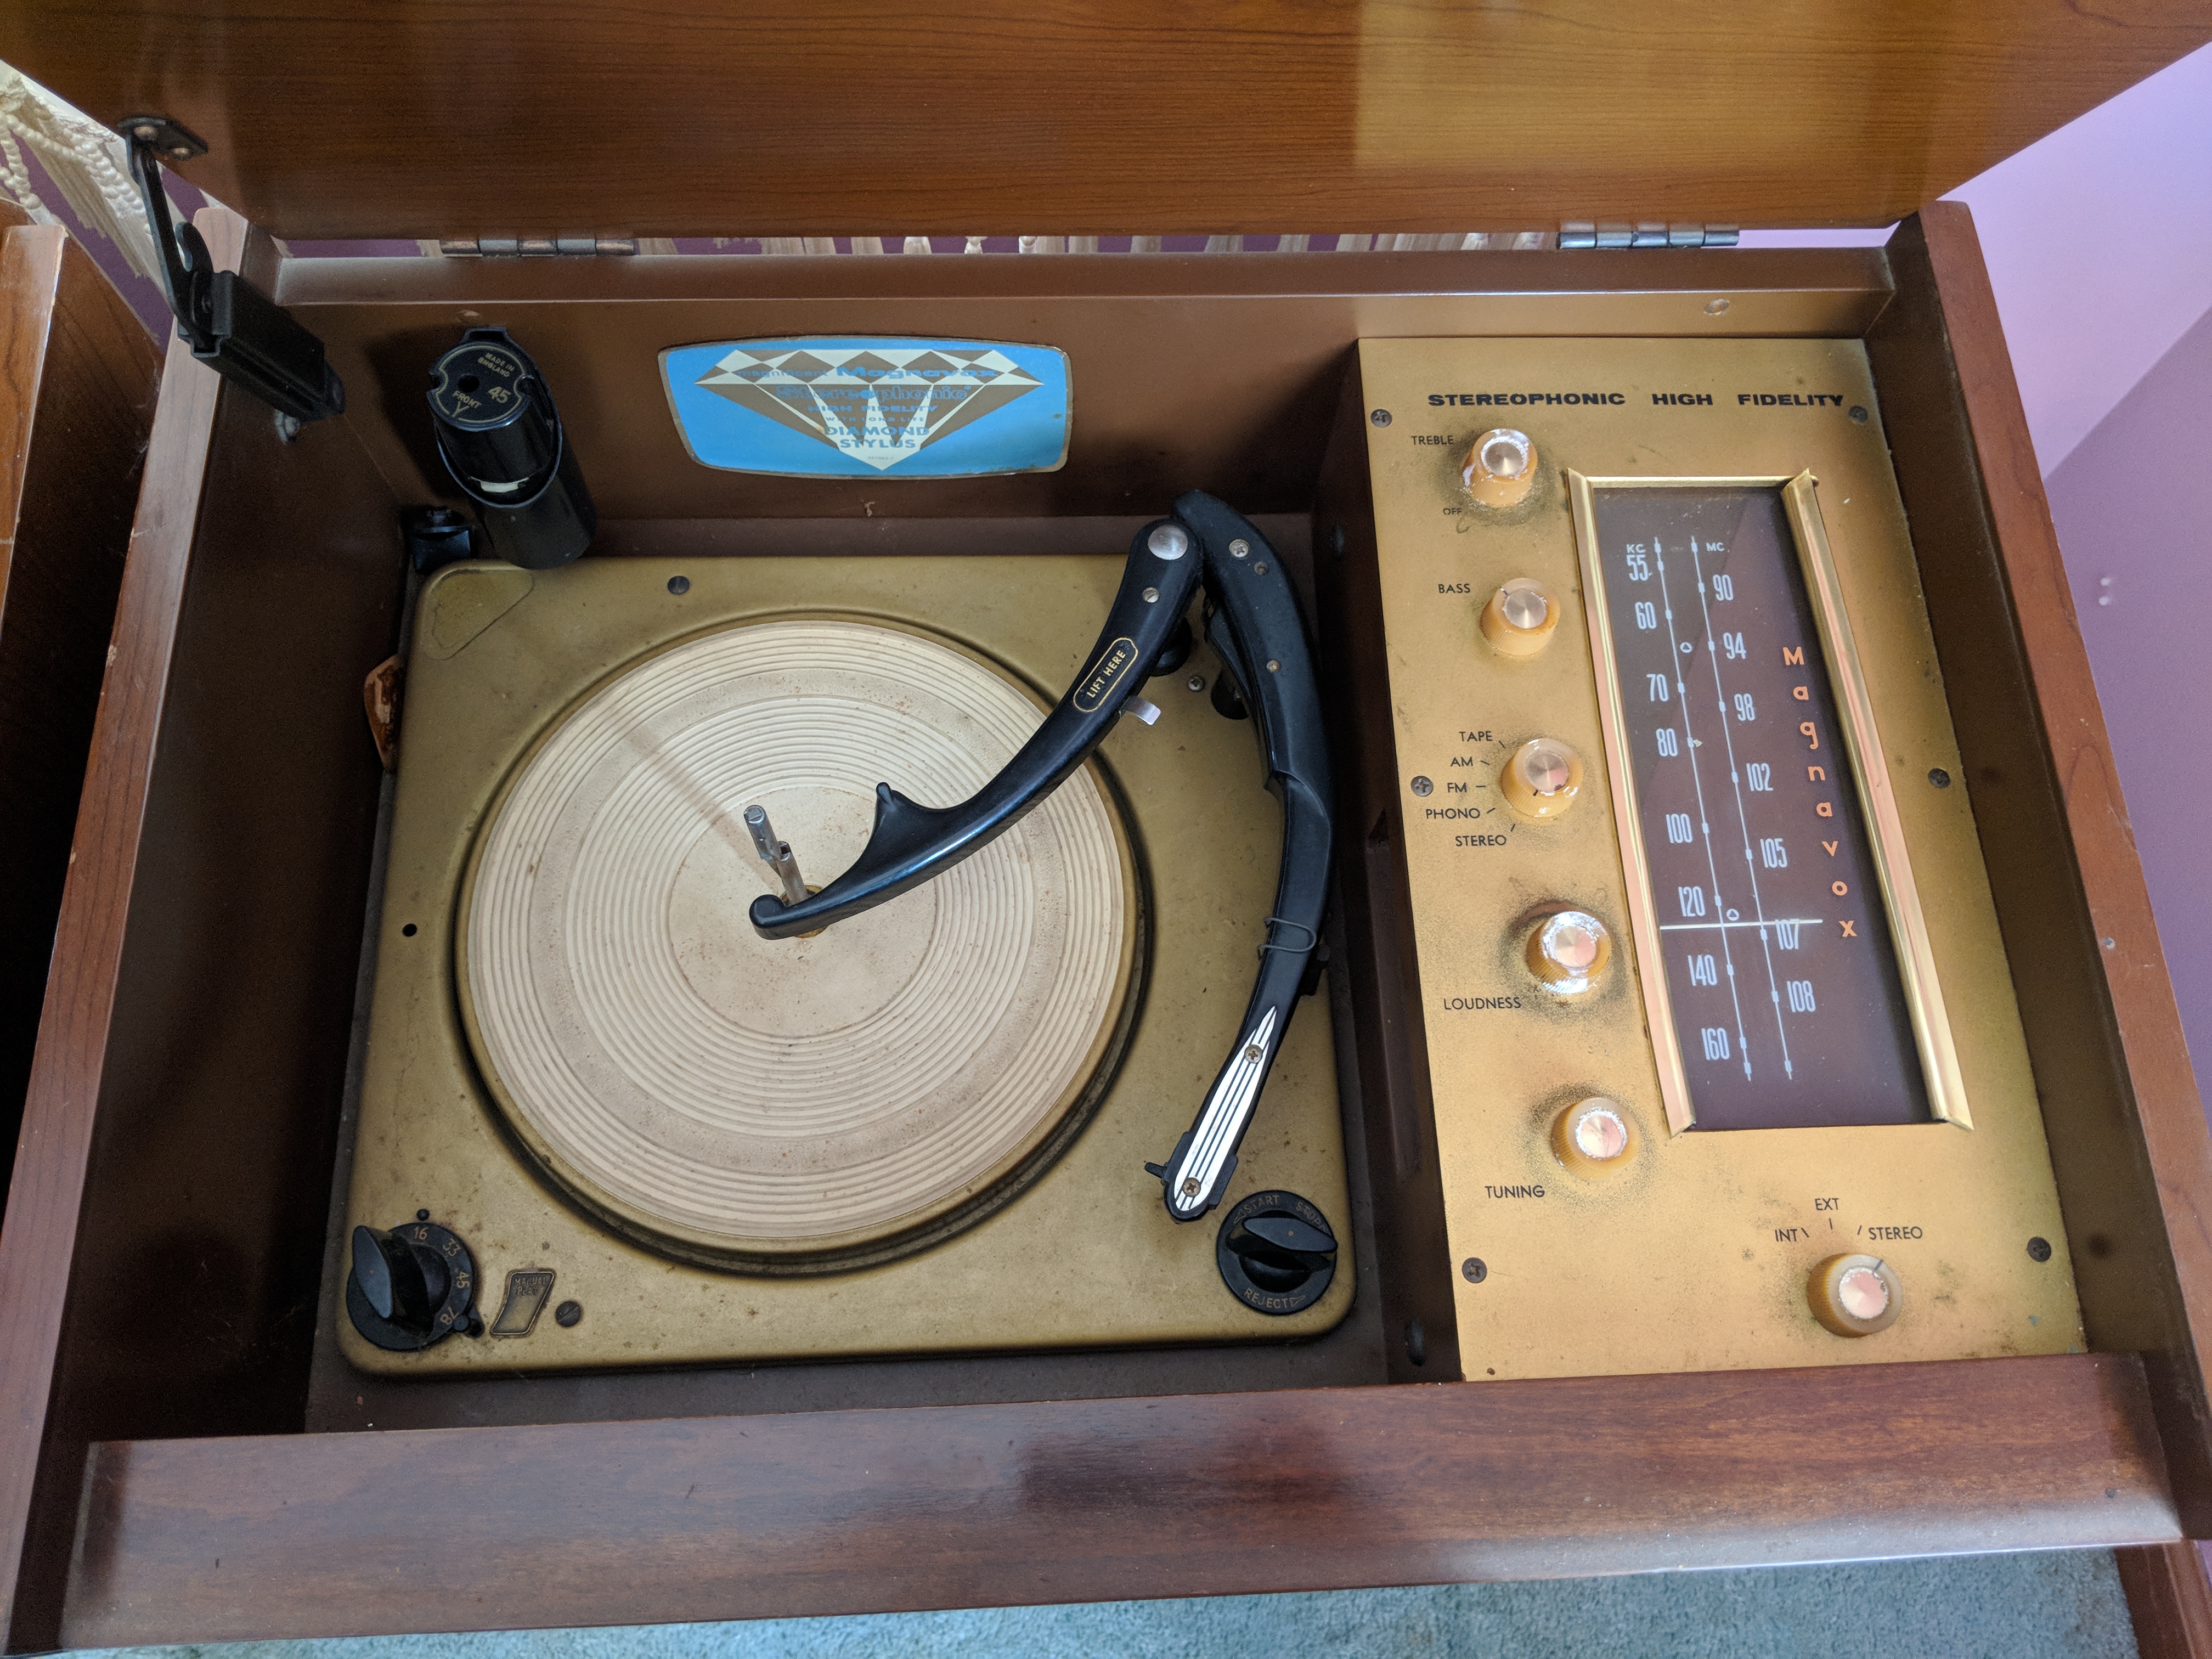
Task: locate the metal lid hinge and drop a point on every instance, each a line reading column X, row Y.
column 495, row 247
column 1644, row 233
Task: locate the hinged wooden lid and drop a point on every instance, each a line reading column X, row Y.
column 332, row 118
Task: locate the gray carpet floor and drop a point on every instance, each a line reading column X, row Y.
column 2004, row 1606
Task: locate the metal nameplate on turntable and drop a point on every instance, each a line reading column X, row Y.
column 856, row 406
column 1708, row 828
column 1079, row 1253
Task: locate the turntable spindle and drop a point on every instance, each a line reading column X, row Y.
column 776, row 854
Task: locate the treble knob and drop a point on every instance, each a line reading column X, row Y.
column 1501, row 467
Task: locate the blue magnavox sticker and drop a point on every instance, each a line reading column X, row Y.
column 860, row 407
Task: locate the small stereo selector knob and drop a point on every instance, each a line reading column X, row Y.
column 1855, row 1295
column 1541, row 778
column 1568, row 950
column 1595, row 1138
column 1501, row 467
column 1519, row 619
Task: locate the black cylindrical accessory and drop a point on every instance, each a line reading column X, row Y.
column 502, row 440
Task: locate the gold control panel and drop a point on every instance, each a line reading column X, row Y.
column 1720, row 1040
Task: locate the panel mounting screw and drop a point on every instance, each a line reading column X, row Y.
column 567, row 1314
column 1380, row 417
column 1859, row 414
column 1197, row 682
column 2039, row 1249
column 1475, row 1270
column 1422, row 786
column 1714, row 308
column 1240, row 547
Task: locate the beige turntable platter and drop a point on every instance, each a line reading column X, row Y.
column 582, row 1061
column 806, row 1104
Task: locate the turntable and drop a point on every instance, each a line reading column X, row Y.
column 620, row 1125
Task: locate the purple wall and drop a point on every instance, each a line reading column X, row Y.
column 2133, row 505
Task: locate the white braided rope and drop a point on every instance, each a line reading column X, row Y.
column 88, row 165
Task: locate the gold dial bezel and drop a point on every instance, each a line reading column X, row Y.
column 1892, row 862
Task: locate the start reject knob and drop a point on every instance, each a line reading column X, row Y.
column 1519, row 619
column 1855, row 1295
column 1277, row 1253
column 1541, row 778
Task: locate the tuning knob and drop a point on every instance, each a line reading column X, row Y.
column 1519, row 619
column 1501, row 467
column 411, row 1286
column 1595, row 1138
column 1541, row 778
column 1855, row 1295
column 1568, row 950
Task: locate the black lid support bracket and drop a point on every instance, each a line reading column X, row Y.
column 231, row 326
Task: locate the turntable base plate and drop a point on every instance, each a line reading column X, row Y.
column 581, row 1204
column 795, row 1103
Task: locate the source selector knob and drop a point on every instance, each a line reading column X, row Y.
column 1855, row 1295
column 1568, row 951
column 1541, row 778
column 1519, row 618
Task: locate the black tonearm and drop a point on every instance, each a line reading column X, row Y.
column 1256, row 628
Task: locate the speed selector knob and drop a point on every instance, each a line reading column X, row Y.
column 1541, row 778
column 1568, row 950
column 1855, row 1295
column 410, row 1286
column 1501, row 467
column 1519, row 619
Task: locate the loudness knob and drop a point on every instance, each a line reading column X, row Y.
column 1501, row 467
column 1519, row 619
column 1855, row 1295
column 1568, row 950
column 1541, row 778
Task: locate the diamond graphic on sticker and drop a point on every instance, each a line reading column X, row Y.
column 881, row 406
